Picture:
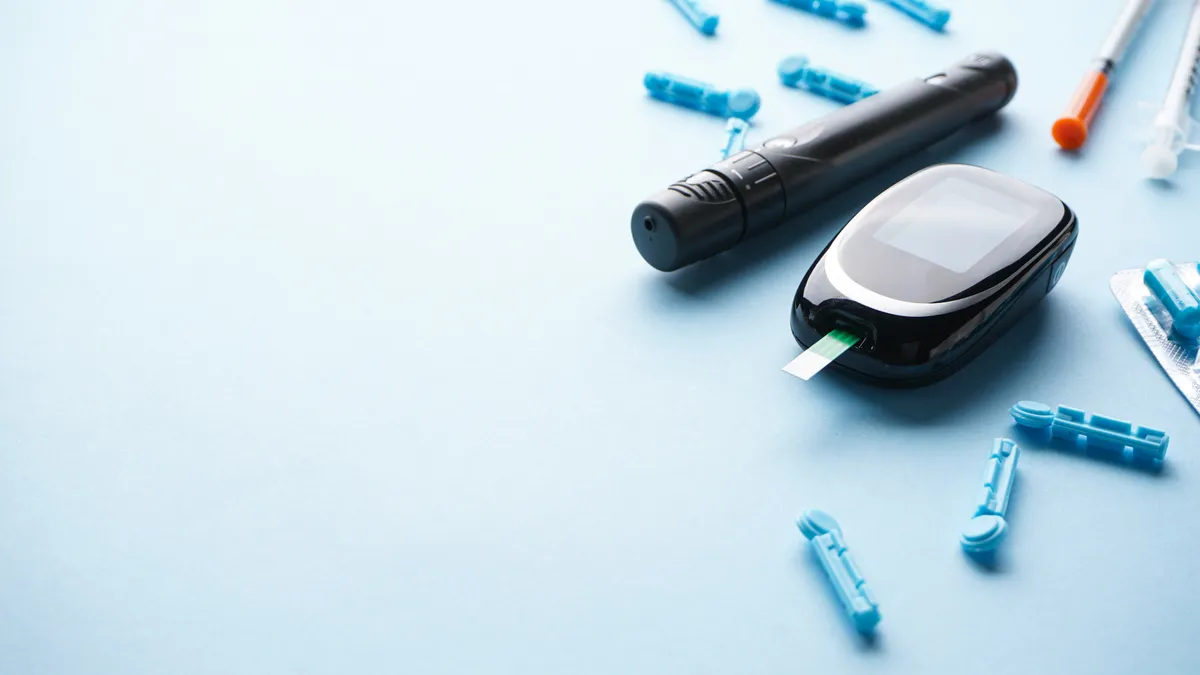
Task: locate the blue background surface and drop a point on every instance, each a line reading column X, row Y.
column 325, row 350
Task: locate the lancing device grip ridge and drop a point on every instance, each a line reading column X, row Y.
column 753, row 191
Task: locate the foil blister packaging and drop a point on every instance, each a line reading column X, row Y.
column 1176, row 354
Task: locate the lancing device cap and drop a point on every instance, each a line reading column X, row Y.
column 755, row 190
column 692, row 220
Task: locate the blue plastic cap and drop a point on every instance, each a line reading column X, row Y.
column 701, row 19
column 656, row 81
column 1102, row 435
column 849, row 13
column 983, row 534
column 1177, row 297
column 743, row 103
column 1032, row 414
column 934, row 17
column 688, row 93
column 866, row 620
column 796, row 71
column 853, row 14
column 792, row 69
column 815, row 522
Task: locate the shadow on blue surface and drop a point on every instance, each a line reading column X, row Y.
column 991, row 562
column 1166, row 185
column 1187, row 160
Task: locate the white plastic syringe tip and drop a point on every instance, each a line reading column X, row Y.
column 1159, row 162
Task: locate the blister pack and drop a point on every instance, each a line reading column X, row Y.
column 1162, row 303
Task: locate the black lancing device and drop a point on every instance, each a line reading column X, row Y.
column 756, row 190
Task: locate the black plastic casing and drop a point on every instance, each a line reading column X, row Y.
column 901, row 351
column 756, row 190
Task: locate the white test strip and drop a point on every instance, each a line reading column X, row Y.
column 824, row 352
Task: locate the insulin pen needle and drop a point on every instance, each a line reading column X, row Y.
column 1071, row 130
column 1172, row 125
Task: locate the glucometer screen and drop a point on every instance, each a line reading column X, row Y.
column 955, row 223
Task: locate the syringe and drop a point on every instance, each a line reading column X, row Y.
column 1071, row 130
column 1172, row 125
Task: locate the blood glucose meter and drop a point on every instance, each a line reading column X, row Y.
column 933, row 271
